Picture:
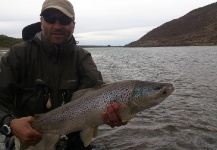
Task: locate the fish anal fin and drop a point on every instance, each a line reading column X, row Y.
column 88, row 134
column 95, row 133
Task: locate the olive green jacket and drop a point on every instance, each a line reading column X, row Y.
column 36, row 71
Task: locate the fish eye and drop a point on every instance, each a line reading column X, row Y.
column 157, row 87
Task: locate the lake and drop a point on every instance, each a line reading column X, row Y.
column 186, row 120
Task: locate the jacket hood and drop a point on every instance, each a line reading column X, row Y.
column 30, row 31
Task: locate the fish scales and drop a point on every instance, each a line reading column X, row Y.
column 77, row 111
column 83, row 113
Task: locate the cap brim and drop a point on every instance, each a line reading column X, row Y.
column 63, row 10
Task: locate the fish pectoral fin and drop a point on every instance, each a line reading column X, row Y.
column 88, row 134
column 126, row 115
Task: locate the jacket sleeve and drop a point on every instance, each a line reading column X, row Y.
column 89, row 75
column 7, row 88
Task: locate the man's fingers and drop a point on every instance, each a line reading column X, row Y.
column 107, row 119
column 112, row 116
column 116, row 108
column 114, row 113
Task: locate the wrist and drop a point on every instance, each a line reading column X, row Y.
column 6, row 128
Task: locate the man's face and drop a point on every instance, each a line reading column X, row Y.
column 56, row 32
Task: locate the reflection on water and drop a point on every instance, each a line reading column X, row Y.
column 186, row 120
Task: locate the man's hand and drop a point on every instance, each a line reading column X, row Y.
column 112, row 116
column 22, row 129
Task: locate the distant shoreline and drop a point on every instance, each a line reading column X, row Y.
column 83, row 46
column 95, row 46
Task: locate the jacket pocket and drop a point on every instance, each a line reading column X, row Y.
column 30, row 101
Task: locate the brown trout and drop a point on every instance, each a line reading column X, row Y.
column 84, row 112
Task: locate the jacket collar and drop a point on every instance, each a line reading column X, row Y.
column 55, row 49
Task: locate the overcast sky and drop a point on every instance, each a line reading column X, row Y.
column 101, row 22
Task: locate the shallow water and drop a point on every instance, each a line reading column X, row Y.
column 186, row 120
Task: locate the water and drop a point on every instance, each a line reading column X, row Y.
column 186, row 120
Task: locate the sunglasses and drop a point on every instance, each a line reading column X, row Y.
column 64, row 20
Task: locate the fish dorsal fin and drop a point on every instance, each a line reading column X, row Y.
column 107, row 81
column 88, row 134
column 36, row 116
column 80, row 93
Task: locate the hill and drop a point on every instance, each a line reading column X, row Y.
column 196, row 28
column 6, row 41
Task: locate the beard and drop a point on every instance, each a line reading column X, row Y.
column 57, row 36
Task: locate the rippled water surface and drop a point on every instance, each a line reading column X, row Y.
column 186, row 120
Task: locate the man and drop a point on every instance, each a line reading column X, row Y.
column 42, row 73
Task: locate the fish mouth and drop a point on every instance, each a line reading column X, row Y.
column 167, row 90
